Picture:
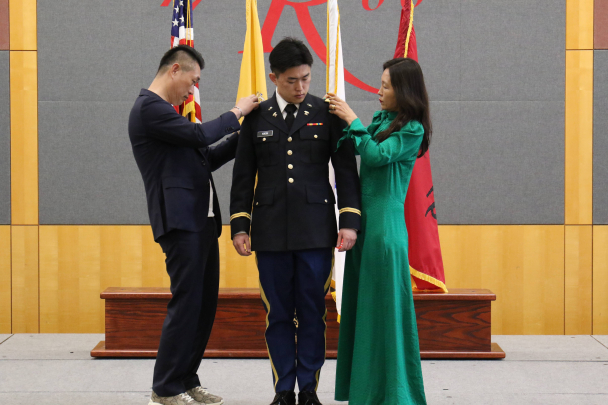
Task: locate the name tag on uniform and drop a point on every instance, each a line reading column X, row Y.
column 264, row 134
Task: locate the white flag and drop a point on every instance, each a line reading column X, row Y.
column 335, row 84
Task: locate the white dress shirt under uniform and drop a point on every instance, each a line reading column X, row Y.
column 282, row 104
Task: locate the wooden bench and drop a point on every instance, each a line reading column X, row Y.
column 450, row 326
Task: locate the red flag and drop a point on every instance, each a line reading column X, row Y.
column 426, row 263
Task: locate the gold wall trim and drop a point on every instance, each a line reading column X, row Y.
column 25, row 279
column 24, row 137
column 5, row 280
column 578, row 279
column 23, row 25
column 579, row 138
column 579, row 24
column 600, row 280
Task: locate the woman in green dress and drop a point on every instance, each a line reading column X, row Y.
column 378, row 352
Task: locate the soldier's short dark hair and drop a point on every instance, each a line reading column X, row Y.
column 288, row 53
column 185, row 55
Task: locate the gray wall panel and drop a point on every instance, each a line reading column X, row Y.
column 5, row 140
column 438, row 35
column 477, row 50
column 600, row 138
column 447, row 146
column 87, row 171
column 498, row 163
column 88, row 50
column 513, row 50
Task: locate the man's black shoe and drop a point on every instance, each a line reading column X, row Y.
column 284, row 398
column 308, row 398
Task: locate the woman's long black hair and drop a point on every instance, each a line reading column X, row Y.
column 412, row 99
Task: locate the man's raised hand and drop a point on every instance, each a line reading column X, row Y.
column 248, row 104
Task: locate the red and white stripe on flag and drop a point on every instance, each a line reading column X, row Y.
column 182, row 33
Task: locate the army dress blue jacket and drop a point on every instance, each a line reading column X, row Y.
column 292, row 206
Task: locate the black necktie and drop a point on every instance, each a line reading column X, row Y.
column 290, row 118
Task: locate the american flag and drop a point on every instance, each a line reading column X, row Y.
column 182, row 33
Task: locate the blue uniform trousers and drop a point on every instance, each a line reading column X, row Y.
column 295, row 282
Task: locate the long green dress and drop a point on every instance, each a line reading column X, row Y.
column 378, row 352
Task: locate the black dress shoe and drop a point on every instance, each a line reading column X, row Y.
column 284, row 398
column 308, row 398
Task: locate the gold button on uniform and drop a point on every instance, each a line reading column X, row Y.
column 290, row 167
column 290, row 180
column 325, row 200
column 289, row 152
column 289, row 139
column 264, row 139
column 316, row 136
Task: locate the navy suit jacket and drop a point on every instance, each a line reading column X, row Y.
column 175, row 159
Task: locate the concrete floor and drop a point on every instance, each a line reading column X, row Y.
column 57, row 369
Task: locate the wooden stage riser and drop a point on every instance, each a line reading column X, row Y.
column 101, row 351
column 447, row 328
column 239, row 323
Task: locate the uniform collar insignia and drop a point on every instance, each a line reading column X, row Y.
column 274, row 115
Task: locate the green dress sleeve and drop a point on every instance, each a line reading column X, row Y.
column 348, row 134
column 399, row 146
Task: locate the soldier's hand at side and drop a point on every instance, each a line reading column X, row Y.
column 241, row 244
column 346, row 239
column 248, row 104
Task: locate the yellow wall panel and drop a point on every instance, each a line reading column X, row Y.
column 78, row 262
column 24, row 246
column 523, row 265
column 24, row 137
column 600, row 280
column 579, row 138
column 579, row 24
column 23, row 25
column 5, row 279
column 578, row 280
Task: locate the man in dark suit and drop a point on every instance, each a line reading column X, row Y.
column 175, row 158
column 290, row 216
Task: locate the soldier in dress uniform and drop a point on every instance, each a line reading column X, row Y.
column 288, row 217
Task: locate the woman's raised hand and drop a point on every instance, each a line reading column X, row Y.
column 339, row 107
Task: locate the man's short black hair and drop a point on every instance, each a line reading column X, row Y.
column 288, row 53
column 182, row 54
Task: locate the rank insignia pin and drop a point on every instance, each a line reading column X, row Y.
column 306, row 113
column 310, row 105
column 270, row 108
column 274, row 115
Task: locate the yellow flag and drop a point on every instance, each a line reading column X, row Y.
column 253, row 73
